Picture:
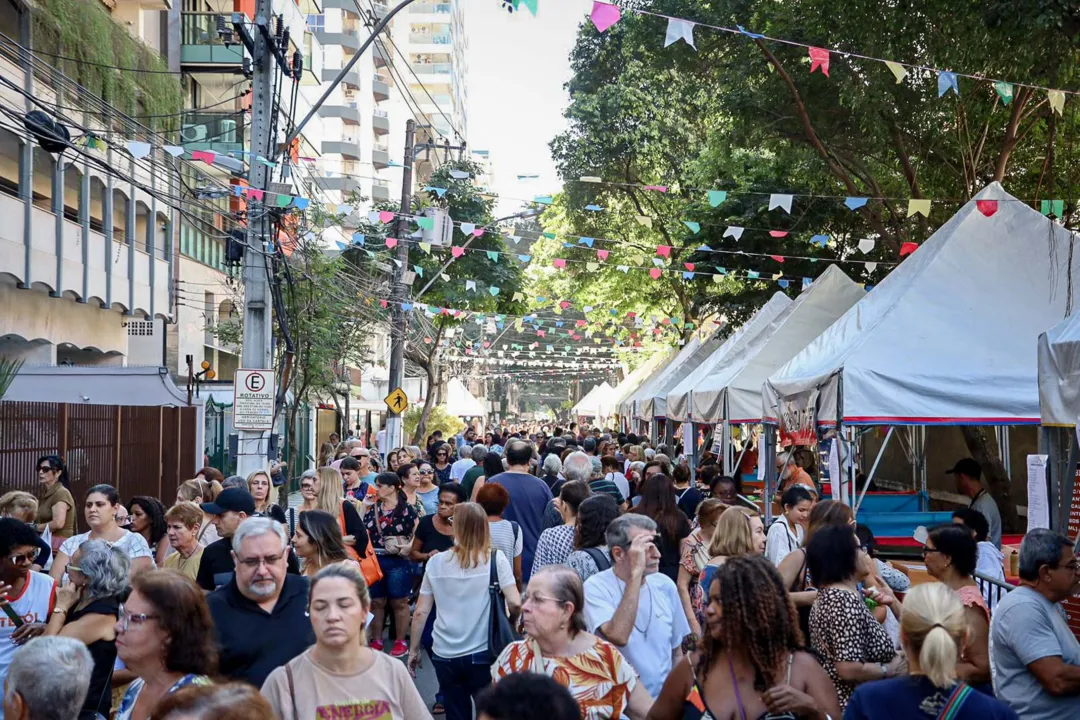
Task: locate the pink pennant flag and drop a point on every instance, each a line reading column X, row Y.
column 819, row 58
column 564, row 304
column 383, row 303
column 385, row 216
column 654, row 273
column 255, row 193
column 602, row 254
column 559, row 263
column 391, row 242
column 575, row 336
column 486, row 344
column 778, row 233
column 457, row 251
column 663, row 250
column 777, row 258
column 205, row 155
column 987, row 207
column 908, row 248
column 478, row 232
column 541, row 333
column 604, row 15
column 657, row 188
column 631, row 315
column 689, row 266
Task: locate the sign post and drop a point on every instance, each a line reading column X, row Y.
column 253, row 400
column 397, row 402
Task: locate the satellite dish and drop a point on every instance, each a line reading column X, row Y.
column 51, row 135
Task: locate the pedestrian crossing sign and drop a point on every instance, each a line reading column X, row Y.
column 397, row 402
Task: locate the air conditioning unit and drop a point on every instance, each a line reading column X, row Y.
column 228, row 131
column 442, row 233
column 193, row 133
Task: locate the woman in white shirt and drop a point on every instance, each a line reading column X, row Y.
column 787, row 532
column 457, row 582
column 100, row 509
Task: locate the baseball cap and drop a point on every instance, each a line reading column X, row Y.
column 235, row 499
column 968, row 467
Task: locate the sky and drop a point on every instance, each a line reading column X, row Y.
column 517, row 66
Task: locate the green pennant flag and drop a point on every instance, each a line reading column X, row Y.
column 716, row 197
column 493, row 256
column 283, row 200
column 1005, row 90
column 549, row 235
column 426, row 223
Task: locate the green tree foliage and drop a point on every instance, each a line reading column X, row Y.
column 437, row 419
column 746, row 115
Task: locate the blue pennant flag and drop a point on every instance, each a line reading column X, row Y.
column 854, row 203
column 585, row 241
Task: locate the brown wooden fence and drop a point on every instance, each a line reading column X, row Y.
column 138, row 450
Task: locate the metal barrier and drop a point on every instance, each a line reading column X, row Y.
column 992, row 589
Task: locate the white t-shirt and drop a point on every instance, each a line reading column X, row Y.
column 620, row 482
column 460, row 467
column 34, row 605
column 461, row 596
column 380, row 441
column 781, row 541
column 659, row 627
column 133, row 544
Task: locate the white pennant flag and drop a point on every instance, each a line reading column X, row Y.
column 733, row 231
column 470, row 285
column 138, row 149
column 866, row 245
column 871, row 266
column 679, row 30
column 174, row 150
column 781, row 201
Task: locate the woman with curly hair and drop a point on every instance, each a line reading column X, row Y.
column 146, row 516
column 750, row 661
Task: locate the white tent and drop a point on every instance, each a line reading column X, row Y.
column 642, row 400
column 644, row 374
column 461, row 402
column 597, row 402
column 733, row 393
column 1059, row 373
column 949, row 336
column 678, row 398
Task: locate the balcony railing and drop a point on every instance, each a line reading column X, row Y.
column 429, row 39
column 216, row 131
column 430, row 9
column 379, row 112
column 200, row 43
column 432, row 68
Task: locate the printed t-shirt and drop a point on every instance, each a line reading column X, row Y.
column 34, row 605
column 383, row 691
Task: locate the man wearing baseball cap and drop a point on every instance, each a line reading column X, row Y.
column 231, row 507
column 968, row 476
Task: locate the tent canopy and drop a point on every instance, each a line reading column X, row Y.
column 461, row 402
column 636, row 379
column 950, row 335
column 642, row 400
column 598, row 402
column 678, row 399
column 734, row 391
column 1059, row 373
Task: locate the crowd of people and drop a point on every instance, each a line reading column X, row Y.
column 572, row 574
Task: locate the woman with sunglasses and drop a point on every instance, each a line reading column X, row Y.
column 442, row 463
column 164, row 636
column 86, row 609
column 428, row 489
column 56, row 506
column 30, row 593
column 101, row 509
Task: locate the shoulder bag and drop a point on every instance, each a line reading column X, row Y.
column 598, row 557
column 394, row 544
column 369, row 563
column 500, row 631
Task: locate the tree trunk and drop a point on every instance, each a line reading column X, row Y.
column 995, row 475
column 283, row 491
column 432, row 370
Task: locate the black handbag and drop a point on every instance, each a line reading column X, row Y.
column 500, row 631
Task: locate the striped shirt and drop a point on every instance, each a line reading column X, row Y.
column 608, row 487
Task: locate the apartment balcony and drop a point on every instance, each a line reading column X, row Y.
column 380, row 157
column 348, row 6
column 352, row 78
column 380, row 122
column 348, row 147
column 441, row 39
column 381, row 9
column 344, row 185
column 350, row 114
column 201, row 46
column 430, row 9
column 433, row 69
column 219, row 132
column 380, row 88
column 380, row 190
column 346, row 39
column 381, row 57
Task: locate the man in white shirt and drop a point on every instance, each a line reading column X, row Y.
column 968, row 474
column 635, row 607
column 460, row 467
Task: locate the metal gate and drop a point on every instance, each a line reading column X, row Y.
column 138, row 450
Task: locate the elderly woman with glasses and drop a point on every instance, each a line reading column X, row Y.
column 558, row 645
column 165, row 637
column 441, row 455
column 86, row 609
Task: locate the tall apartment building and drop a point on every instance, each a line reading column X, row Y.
column 85, row 253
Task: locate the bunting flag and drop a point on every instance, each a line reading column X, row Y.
column 645, row 220
column 385, row 216
column 716, row 197
column 820, row 240
column 908, row 248
column 655, row 273
column 138, row 149
column 1052, row 207
column 467, row 228
column 1004, row 91
column 602, row 254
column 205, row 155
column 819, row 58
column 457, row 251
column 663, row 250
column 918, row 206
column 594, row 208
column 679, row 30
column 358, row 239
column 898, row 70
column 459, row 174
column 391, row 243
column 854, row 203
column 694, row 227
column 493, row 256
column 987, row 207
column 1057, row 101
column 425, row 247
column 946, row 81
column 734, row 232
column 469, row 285
column 425, row 223
column 559, row 263
column 174, row 150
column 780, row 201
column 866, row 245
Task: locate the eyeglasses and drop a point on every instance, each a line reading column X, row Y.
column 255, row 562
column 75, row 568
column 537, row 598
column 429, row 471
column 127, row 618
column 45, row 468
column 26, row 557
column 927, row 550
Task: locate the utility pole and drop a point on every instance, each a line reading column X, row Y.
column 395, row 426
column 252, row 445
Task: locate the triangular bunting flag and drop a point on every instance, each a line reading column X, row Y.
column 819, row 58
column 679, row 30
column 946, row 81
column 780, row 201
column 920, row 206
column 716, row 197
column 898, row 70
column 694, row 227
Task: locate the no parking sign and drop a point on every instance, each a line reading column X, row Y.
column 253, row 400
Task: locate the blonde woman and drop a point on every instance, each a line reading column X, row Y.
column 739, row 532
column 933, row 631
column 457, row 582
column 261, row 489
column 693, row 557
column 329, row 489
column 24, row 506
column 200, row 491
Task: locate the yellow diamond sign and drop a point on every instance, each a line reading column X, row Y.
column 397, row 402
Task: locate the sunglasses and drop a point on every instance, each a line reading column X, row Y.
column 26, row 557
column 45, row 468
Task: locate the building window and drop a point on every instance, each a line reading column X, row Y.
column 140, row 328
column 316, row 23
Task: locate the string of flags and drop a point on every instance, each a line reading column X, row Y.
column 605, row 15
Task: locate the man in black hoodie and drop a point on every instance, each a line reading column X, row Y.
column 260, row 616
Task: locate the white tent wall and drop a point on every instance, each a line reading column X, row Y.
column 656, row 365
column 632, row 382
column 656, row 406
column 678, row 399
column 461, row 402
column 584, row 402
column 1059, row 408
column 949, row 336
column 643, row 398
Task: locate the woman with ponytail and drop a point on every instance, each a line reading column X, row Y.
column 933, row 630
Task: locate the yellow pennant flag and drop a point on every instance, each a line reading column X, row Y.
column 518, row 297
column 645, row 220
column 592, row 267
column 717, row 278
column 1057, row 100
column 777, row 276
column 519, row 325
column 426, row 247
column 918, row 206
column 898, row 70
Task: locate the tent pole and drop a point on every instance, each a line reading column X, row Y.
column 924, row 498
column 873, row 469
column 767, row 463
column 738, row 461
column 726, row 447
